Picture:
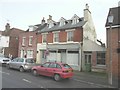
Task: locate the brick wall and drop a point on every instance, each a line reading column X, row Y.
column 114, row 45
column 63, row 36
column 78, row 36
column 50, row 37
column 27, row 46
column 13, row 42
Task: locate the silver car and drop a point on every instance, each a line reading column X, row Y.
column 22, row 64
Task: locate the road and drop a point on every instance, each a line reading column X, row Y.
column 15, row 79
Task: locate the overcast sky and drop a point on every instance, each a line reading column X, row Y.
column 22, row 13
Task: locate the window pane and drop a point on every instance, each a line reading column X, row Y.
column 89, row 59
column 56, row 37
column 66, row 66
column 101, row 58
column 85, row 58
column 45, row 65
column 58, row 66
column 44, row 36
column 52, row 65
column 70, row 36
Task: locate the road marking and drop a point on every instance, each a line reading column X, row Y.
column 26, row 80
column 94, row 83
column 5, row 73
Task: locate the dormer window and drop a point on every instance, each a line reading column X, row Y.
column 62, row 21
column 32, row 28
column 51, row 24
column 75, row 19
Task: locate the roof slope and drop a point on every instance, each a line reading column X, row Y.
column 116, row 14
column 68, row 25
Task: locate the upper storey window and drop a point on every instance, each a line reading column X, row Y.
column 23, row 41
column 30, row 40
column 51, row 24
column 75, row 19
column 44, row 38
column 56, row 37
column 62, row 21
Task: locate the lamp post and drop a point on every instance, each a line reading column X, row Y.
column 110, row 21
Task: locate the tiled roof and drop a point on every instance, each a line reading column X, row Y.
column 116, row 14
column 69, row 25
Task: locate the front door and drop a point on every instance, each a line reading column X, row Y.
column 88, row 62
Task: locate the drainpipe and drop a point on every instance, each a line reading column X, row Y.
column 80, row 55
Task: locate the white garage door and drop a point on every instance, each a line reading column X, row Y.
column 72, row 59
column 52, row 56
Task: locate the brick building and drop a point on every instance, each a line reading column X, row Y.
column 28, row 41
column 71, row 41
column 113, row 44
column 12, row 33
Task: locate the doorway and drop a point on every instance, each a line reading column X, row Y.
column 88, row 62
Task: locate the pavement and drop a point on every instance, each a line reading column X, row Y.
column 96, row 78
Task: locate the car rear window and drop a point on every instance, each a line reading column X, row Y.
column 30, row 60
column 66, row 66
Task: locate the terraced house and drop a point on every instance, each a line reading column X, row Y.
column 28, row 41
column 72, row 41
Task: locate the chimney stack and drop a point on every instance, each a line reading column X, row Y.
column 50, row 17
column 87, row 13
column 7, row 27
column 43, row 21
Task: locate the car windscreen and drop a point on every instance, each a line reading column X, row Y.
column 29, row 60
column 66, row 66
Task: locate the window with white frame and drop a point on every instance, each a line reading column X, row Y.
column 23, row 41
column 29, row 53
column 69, row 35
column 30, row 40
column 75, row 21
column 56, row 37
column 44, row 38
column 62, row 22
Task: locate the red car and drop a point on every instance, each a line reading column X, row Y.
column 53, row 69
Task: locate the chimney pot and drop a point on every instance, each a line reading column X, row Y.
column 50, row 17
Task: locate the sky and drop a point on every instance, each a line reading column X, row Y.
column 22, row 13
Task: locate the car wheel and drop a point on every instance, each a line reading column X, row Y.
column 22, row 69
column 57, row 77
column 35, row 72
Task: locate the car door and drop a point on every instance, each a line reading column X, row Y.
column 43, row 69
column 13, row 63
column 19, row 63
column 51, row 69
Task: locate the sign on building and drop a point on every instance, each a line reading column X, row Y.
column 4, row 41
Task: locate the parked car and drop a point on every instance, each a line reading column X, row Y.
column 22, row 64
column 53, row 69
column 3, row 59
